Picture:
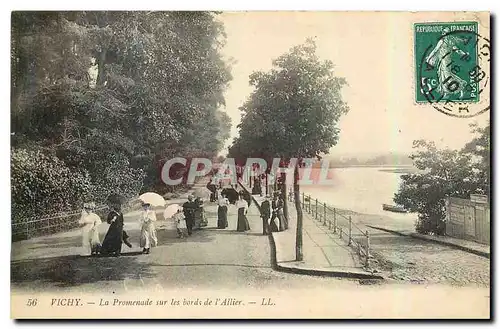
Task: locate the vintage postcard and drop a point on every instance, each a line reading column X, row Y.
column 250, row 165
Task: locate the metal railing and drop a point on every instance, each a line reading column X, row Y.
column 339, row 223
column 53, row 223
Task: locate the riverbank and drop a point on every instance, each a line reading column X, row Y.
column 401, row 170
column 402, row 224
column 404, row 258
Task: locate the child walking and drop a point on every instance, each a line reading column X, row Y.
column 180, row 222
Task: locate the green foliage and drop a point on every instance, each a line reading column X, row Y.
column 292, row 113
column 113, row 94
column 42, row 184
column 294, row 110
column 446, row 173
column 478, row 149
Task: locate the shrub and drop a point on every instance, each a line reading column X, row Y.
column 41, row 184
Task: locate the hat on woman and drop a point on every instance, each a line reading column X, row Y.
column 89, row 205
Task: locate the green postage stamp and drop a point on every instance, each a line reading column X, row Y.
column 448, row 66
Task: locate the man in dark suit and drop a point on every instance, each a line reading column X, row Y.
column 189, row 209
column 213, row 189
column 265, row 214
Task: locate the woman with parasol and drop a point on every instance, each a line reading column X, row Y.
column 148, row 231
column 148, row 218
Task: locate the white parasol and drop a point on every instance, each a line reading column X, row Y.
column 171, row 210
column 153, row 199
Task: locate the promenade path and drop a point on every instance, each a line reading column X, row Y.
column 224, row 262
column 209, row 258
column 324, row 252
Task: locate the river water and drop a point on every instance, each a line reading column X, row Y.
column 360, row 189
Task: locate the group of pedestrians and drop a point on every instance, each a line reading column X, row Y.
column 271, row 212
column 192, row 210
column 116, row 235
column 273, row 220
column 224, row 197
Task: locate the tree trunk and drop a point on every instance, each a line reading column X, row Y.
column 267, row 184
column 101, row 61
column 285, row 196
column 298, row 240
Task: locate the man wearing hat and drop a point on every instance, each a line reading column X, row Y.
column 189, row 209
column 265, row 214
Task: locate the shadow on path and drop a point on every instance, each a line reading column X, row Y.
column 209, row 264
column 57, row 242
column 75, row 270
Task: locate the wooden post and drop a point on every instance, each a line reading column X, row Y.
column 316, row 211
column 367, row 263
column 350, row 231
column 334, row 221
column 303, row 200
column 267, row 184
column 324, row 213
column 340, row 230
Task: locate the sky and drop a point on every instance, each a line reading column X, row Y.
column 373, row 51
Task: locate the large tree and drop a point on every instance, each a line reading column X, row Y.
column 444, row 173
column 292, row 113
column 113, row 94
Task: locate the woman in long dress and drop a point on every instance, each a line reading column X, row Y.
column 281, row 216
column 148, row 231
column 243, row 224
column 223, row 203
column 112, row 244
column 273, row 227
column 90, row 234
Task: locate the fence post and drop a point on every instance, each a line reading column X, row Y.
column 340, row 230
column 309, row 208
column 334, row 220
column 367, row 249
column 324, row 213
column 316, row 211
column 350, row 231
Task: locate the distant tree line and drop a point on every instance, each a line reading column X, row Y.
column 389, row 159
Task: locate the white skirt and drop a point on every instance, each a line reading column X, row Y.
column 181, row 224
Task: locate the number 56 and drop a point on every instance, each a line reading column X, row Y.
column 32, row 302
